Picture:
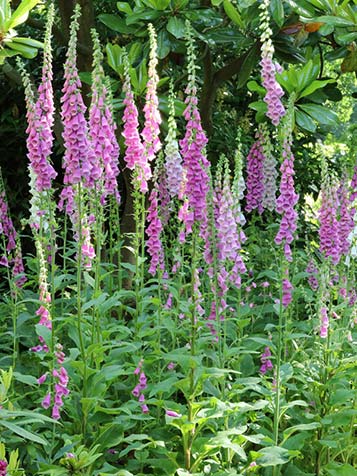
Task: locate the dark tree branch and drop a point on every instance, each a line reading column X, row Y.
column 213, row 80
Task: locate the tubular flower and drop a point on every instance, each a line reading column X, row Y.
column 173, row 159
column 151, row 131
column 269, row 69
column 3, row 467
column 286, row 201
column 324, row 323
column 266, row 362
column 255, row 175
column 193, row 149
column 135, row 157
column 78, row 160
column 102, row 131
column 329, row 229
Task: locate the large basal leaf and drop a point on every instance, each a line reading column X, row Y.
column 314, row 86
column 275, row 455
column 22, row 432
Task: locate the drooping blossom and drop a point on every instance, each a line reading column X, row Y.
column 324, row 323
column 287, row 200
column 352, row 239
column 266, row 362
column 153, row 231
column 138, row 390
column 329, row 228
column 193, row 149
column 274, row 91
column 287, row 289
column 173, row 159
column 102, row 128
column 40, row 116
column 135, row 157
column 151, row 131
column 313, row 272
column 173, row 414
column 79, row 159
column 11, row 254
column 3, row 467
column 270, row 172
column 345, row 222
column 255, row 175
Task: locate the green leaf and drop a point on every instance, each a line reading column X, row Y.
column 306, row 75
column 27, row 379
column 27, row 41
column 216, row 3
column 44, row 332
column 233, row 13
column 157, row 4
column 334, row 20
column 301, row 427
column 317, row 84
column 248, row 65
column 275, row 455
column 277, row 11
column 26, row 51
column 5, row 13
column 338, row 469
column 115, row 57
column 22, row 432
column 21, row 13
column 164, row 45
column 124, row 7
column 116, row 23
column 320, row 113
column 176, row 26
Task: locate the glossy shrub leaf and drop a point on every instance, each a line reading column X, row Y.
column 21, row 13
column 304, row 121
column 114, row 22
column 277, row 11
column 124, row 7
column 248, row 65
column 334, row 20
column 176, row 26
column 233, row 13
column 115, row 57
column 314, row 86
column 320, row 114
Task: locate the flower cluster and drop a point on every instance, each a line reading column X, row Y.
column 346, row 213
column 135, row 157
column 79, row 160
column 270, row 172
column 3, row 467
column 329, row 232
column 255, row 175
column 102, row 130
column 324, row 323
column 173, row 159
column 154, row 229
column 313, row 272
column 40, row 117
column 269, row 69
column 286, row 201
column 140, row 387
column 193, row 149
column 151, row 131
